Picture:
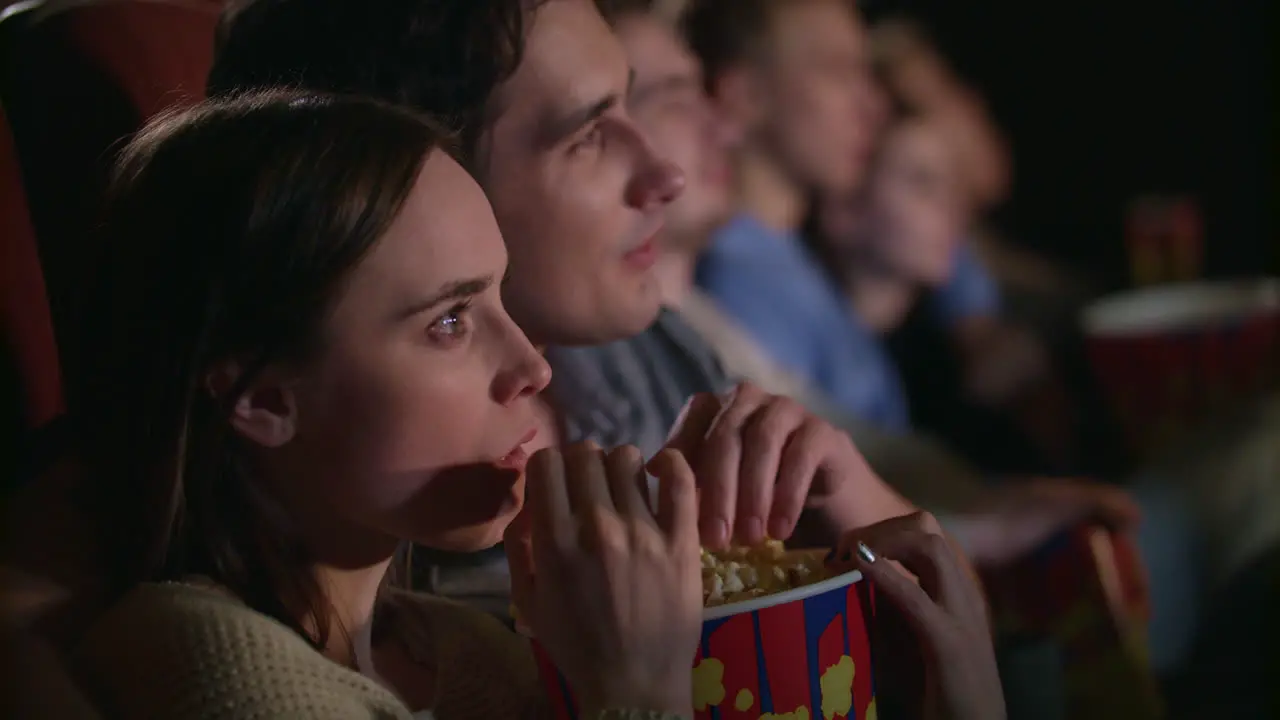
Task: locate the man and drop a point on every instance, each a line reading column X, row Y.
column 536, row 93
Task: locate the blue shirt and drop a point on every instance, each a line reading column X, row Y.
column 970, row 292
column 769, row 282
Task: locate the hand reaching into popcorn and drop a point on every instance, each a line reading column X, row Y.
column 611, row 589
column 1009, row 523
column 766, row 466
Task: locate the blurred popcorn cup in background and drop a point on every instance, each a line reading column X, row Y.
column 801, row 654
column 1169, row 357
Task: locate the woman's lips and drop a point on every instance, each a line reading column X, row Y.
column 518, row 457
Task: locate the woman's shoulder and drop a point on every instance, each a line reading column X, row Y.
column 459, row 633
column 175, row 610
column 485, row 668
column 184, row 650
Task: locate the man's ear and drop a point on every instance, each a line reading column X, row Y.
column 265, row 412
column 739, row 99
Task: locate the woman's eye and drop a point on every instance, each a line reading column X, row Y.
column 451, row 326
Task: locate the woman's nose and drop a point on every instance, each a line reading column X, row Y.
column 526, row 375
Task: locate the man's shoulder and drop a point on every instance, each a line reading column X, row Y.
column 670, row 344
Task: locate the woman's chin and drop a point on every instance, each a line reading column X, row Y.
column 470, row 512
column 474, row 538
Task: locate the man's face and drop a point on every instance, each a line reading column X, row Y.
column 668, row 103
column 578, row 191
column 817, row 93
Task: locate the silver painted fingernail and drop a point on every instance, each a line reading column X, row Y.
column 865, row 553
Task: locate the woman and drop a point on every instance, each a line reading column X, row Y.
column 891, row 248
column 920, row 78
column 305, row 364
column 897, row 239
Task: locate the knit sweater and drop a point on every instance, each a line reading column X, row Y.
column 185, row 651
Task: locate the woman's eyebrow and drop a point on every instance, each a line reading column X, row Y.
column 454, row 290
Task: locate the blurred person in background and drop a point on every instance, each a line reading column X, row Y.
column 920, row 78
column 786, row 78
column 891, row 245
column 1004, row 363
column 794, row 79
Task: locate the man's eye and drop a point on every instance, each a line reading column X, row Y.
column 592, row 139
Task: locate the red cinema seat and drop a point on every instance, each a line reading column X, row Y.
column 79, row 77
column 30, row 380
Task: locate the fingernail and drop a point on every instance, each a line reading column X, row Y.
column 865, row 553
column 752, row 530
column 779, row 528
column 717, row 533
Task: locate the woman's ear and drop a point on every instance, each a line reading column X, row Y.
column 265, row 412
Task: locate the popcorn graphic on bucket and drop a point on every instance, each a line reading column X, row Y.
column 800, row 654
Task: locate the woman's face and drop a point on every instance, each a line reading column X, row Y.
column 409, row 421
column 914, row 211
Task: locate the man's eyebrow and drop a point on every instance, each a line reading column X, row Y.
column 560, row 128
column 455, row 290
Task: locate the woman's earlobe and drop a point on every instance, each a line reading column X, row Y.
column 267, row 415
column 265, row 412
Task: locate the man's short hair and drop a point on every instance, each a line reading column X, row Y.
column 441, row 57
column 668, row 11
column 613, row 10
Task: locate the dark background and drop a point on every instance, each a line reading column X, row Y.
column 1102, row 101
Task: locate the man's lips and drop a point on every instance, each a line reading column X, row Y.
column 644, row 256
column 518, row 457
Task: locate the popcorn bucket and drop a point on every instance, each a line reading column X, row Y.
column 802, row 653
column 1169, row 357
column 1086, row 590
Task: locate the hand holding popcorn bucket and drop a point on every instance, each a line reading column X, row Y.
column 614, row 597
column 781, row 638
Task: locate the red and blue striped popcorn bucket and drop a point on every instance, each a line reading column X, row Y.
column 1086, row 590
column 802, row 654
column 1171, row 357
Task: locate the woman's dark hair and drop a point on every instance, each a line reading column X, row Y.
column 442, row 57
column 231, row 229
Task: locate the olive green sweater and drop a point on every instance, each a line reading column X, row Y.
column 186, row 651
